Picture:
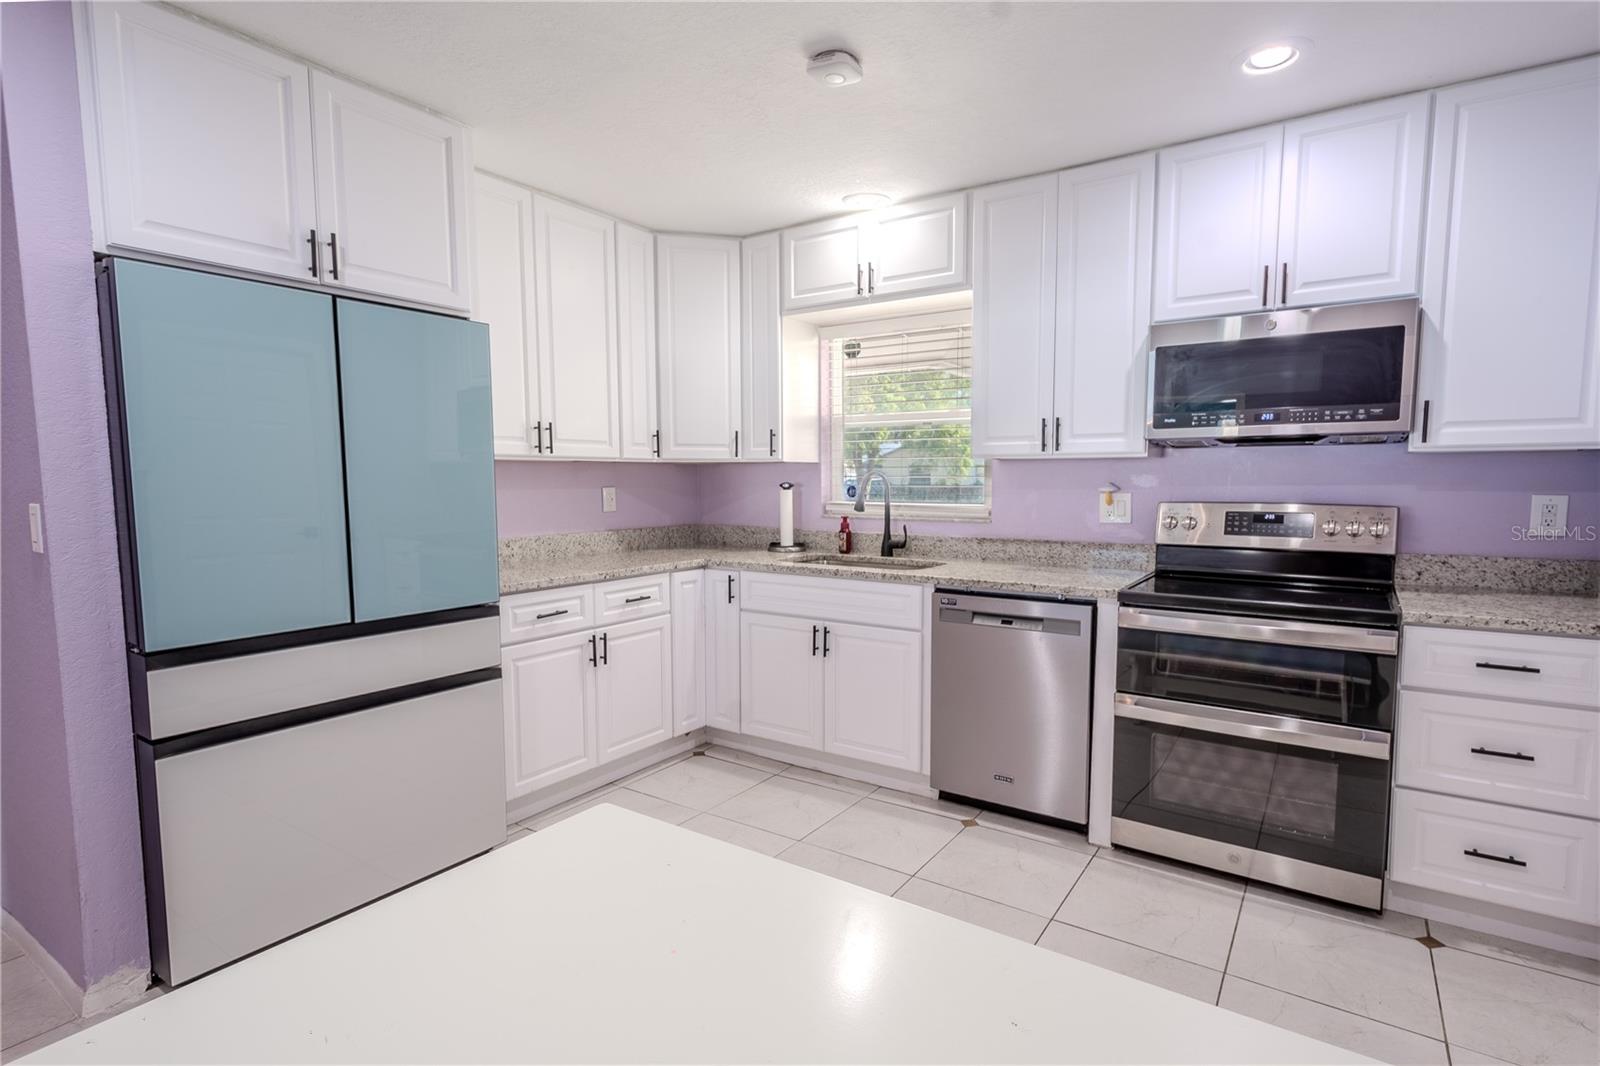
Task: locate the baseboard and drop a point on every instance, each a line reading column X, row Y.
column 524, row 807
column 1540, row 930
column 128, row 983
column 904, row 780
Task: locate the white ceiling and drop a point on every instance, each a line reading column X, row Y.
column 700, row 116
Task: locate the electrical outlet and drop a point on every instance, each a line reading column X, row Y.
column 1549, row 518
column 608, row 499
column 36, row 527
column 1119, row 511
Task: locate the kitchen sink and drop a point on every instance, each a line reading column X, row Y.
column 869, row 562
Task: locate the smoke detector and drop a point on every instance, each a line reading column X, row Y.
column 834, row 68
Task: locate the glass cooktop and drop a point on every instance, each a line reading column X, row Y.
column 1334, row 603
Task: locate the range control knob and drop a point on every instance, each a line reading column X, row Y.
column 1190, row 522
column 1330, row 528
column 1170, row 522
column 1379, row 529
column 1354, row 529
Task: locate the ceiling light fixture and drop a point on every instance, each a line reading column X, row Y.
column 834, row 68
column 866, row 201
column 1270, row 57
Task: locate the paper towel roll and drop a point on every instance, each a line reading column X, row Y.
column 786, row 514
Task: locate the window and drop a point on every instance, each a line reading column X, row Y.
column 900, row 394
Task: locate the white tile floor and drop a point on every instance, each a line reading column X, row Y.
column 1369, row 983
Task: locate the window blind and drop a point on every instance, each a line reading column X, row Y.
column 902, row 404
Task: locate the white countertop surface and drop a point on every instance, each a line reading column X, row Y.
column 614, row 937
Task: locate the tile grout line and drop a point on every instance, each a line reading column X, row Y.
column 1438, row 995
column 1228, row 959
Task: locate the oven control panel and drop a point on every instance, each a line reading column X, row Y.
column 1282, row 526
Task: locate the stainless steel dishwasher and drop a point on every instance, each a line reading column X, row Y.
column 1011, row 699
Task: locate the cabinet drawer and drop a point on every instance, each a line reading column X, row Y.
column 633, row 597
column 1527, row 754
column 835, row 599
column 546, row 613
column 1544, row 863
column 1521, row 666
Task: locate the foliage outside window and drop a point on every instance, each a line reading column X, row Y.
column 901, row 399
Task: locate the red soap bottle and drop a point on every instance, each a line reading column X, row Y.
column 844, row 535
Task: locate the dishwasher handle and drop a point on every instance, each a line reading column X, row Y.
column 1059, row 627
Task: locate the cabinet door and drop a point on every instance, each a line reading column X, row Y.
column 391, row 195
column 782, row 678
column 722, row 650
column 689, row 650
column 823, row 264
column 1013, row 316
column 576, row 285
column 1350, row 218
column 502, row 297
column 636, row 340
column 872, row 684
column 1217, row 225
column 419, row 461
column 205, row 142
column 698, row 304
column 634, row 706
column 1102, row 336
column 1507, row 355
column 918, row 247
column 761, row 348
column 550, row 688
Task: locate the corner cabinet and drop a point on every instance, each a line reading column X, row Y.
column 905, row 250
column 1507, row 358
column 722, row 650
column 689, row 652
column 697, row 308
column 322, row 180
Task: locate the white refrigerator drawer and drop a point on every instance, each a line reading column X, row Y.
column 1518, row 666
column 1529, row 754
column 1544, row 863
column 263, row 837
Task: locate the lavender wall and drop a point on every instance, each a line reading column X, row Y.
column 538, row 497
column 49, row 194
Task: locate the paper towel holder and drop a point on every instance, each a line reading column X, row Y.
column 786, row 513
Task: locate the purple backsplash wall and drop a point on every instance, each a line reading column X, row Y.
column 1460, row 504
column 49, row 192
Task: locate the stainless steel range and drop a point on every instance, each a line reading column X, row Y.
column 1256, row 693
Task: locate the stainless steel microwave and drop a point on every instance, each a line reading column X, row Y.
column 1324, row 375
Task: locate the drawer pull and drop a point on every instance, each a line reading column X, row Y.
column 1503, row 754
column 550, row 614
column 1508, row 666
column 1509, row 860
column 636, row 599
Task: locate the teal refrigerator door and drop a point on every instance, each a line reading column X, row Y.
column 419, row 460
column 230, row 411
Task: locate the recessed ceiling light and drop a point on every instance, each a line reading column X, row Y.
column 1270, row 57
column 865, row 201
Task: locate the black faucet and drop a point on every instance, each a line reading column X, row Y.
column 890, row 542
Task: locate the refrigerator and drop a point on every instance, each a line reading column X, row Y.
column 306, row 522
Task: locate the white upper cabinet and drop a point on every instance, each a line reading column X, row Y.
column 1102, row 332
column 1217, row 225
column 1507, row 357
column 1350, row 217
column 761, row 348
column 575, row 280
column 391, row 195
column 823, row 264
column 911, row 248
column 1013, row 316
column 204, row 142
column 918, row 247
column 636, row 340
column 503, row 297
column 697, row 307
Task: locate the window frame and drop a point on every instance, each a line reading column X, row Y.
column 832, row 476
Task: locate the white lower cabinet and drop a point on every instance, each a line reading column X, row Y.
column 550, row 690
column 689, row 651
column 633, row 705
column 723, row 672
column 872, row 686
column 781, row 667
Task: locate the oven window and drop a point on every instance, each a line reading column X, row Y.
column 1302, row 803
column 1349, row 687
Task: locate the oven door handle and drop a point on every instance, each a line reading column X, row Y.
column 1295, row 732
column 1266, row 631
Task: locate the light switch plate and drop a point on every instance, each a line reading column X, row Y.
column 1119, row 511
column 608, row 499
column 36, row 527
column 1549, row 517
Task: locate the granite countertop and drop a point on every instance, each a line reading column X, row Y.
column 517, row 575
column 1520, row 612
